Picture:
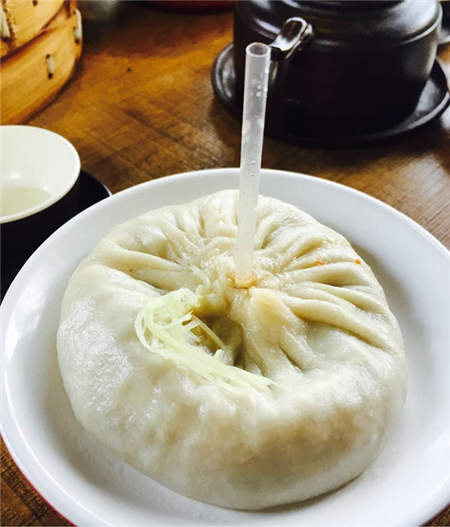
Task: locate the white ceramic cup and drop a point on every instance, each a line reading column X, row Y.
column 39, row 159
column 39, row 183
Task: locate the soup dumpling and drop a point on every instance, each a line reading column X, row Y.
column 292, row 392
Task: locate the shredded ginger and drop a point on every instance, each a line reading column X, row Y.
column 166, row 326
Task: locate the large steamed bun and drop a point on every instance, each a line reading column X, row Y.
column 316, row 323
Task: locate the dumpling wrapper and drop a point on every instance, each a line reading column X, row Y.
column 316, row 323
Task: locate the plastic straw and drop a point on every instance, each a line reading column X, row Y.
column 255, row 94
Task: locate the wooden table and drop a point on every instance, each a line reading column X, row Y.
column 141, row 107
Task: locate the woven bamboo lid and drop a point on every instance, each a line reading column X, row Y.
column 33, row 74
column 23, row 20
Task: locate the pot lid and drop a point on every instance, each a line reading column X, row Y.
column 365, row 23
column 353, row 5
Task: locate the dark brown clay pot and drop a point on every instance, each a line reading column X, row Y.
column 355, row 67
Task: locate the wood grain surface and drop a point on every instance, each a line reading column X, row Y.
column 141, row 107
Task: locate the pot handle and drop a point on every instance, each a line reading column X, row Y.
column 294, row 34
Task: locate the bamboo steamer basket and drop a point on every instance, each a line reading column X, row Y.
column 23, row 20
column 33, row 74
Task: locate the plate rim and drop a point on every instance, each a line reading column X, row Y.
column 435, row 506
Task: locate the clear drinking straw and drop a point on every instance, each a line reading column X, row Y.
column 255, row 94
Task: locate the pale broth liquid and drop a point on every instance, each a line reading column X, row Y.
column 18, row 199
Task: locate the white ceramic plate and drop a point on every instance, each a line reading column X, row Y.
column 408, row 483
